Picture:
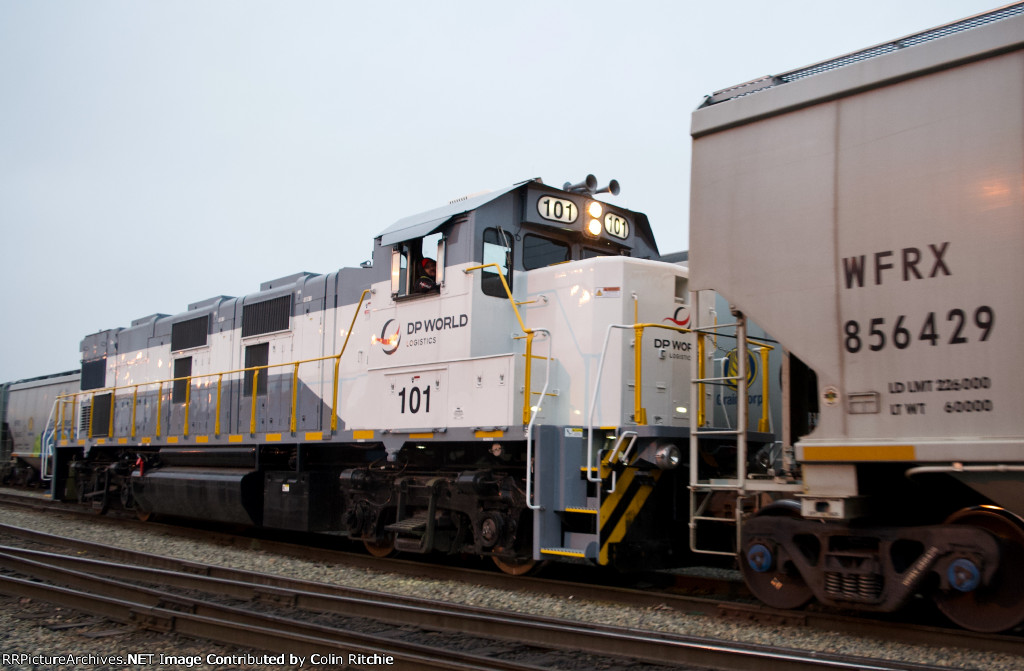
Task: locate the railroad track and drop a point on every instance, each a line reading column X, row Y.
column 241, row 608
column 850, row 626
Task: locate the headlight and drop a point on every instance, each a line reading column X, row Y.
column 667, row 457
column 595, row 209
column 593, row 228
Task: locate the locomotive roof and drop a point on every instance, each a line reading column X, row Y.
column 424, row 223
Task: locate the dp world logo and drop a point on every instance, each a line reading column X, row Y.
column 680, row 318
column 390, row 336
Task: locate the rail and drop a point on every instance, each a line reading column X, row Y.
column 65, row 426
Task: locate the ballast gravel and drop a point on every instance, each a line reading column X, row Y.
column 27, row 634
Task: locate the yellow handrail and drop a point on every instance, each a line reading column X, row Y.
column 337, row 361
column 763, row 423
column 639, row 412
column 255, row 396
column 73, row 396
column 188, row 403
column 700, row 376
column 216, row 417
column 135, row 399
column 159, row 406
column 527, row 374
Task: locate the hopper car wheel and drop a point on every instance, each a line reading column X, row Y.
column 515, row 566
column 999, row 605
column 776, row 586
column 380, row 548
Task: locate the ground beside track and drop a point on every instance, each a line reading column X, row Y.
column 656, row 619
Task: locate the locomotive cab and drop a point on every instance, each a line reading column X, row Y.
column 510, row 345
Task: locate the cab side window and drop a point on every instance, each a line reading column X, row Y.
column 417, row 266
column 497, row 250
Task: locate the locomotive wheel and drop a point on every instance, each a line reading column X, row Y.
column 777, row 586
column 380, row 549
column 999, row 605
column 515, row 566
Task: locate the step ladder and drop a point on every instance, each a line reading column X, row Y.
column 703, row 489
column 733, row 481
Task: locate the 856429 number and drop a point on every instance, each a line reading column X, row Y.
column 959, row 328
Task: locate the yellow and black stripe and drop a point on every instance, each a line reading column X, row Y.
column 618, row 510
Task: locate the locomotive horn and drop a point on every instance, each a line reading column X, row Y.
column 612, row 188
column 586, row 186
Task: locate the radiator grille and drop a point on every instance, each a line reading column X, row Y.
column 189, row 334
column 266, row 316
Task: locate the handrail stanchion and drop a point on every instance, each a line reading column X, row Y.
column 529, row 428
column 334, row 395
column 295, row 397
column 159, row 408
column 135, row 400
column 763, row 424
column 639, row 413
column 110, row 422
column 92, row 412
column 527, row 397
column 188, row 403
column 337, row 362
column 700, row 376
column 255, row 395
column 216, row 417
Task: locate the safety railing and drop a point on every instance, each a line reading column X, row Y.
column 65, row 428
column 530, row 411
column 530, row 333
column 639, row 412
column 763, row 349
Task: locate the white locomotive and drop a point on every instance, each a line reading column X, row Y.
column 510, row 378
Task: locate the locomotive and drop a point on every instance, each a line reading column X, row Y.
column 508, row 378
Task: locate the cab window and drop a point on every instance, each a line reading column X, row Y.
column 539, row 252
column 417, row 266
column 589, row 253
column 497, row 250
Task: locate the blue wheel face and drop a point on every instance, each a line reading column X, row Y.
column 964, row 575
column 760, row 558
column 999, row 604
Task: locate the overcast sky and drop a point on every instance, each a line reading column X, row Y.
column 156, row 154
